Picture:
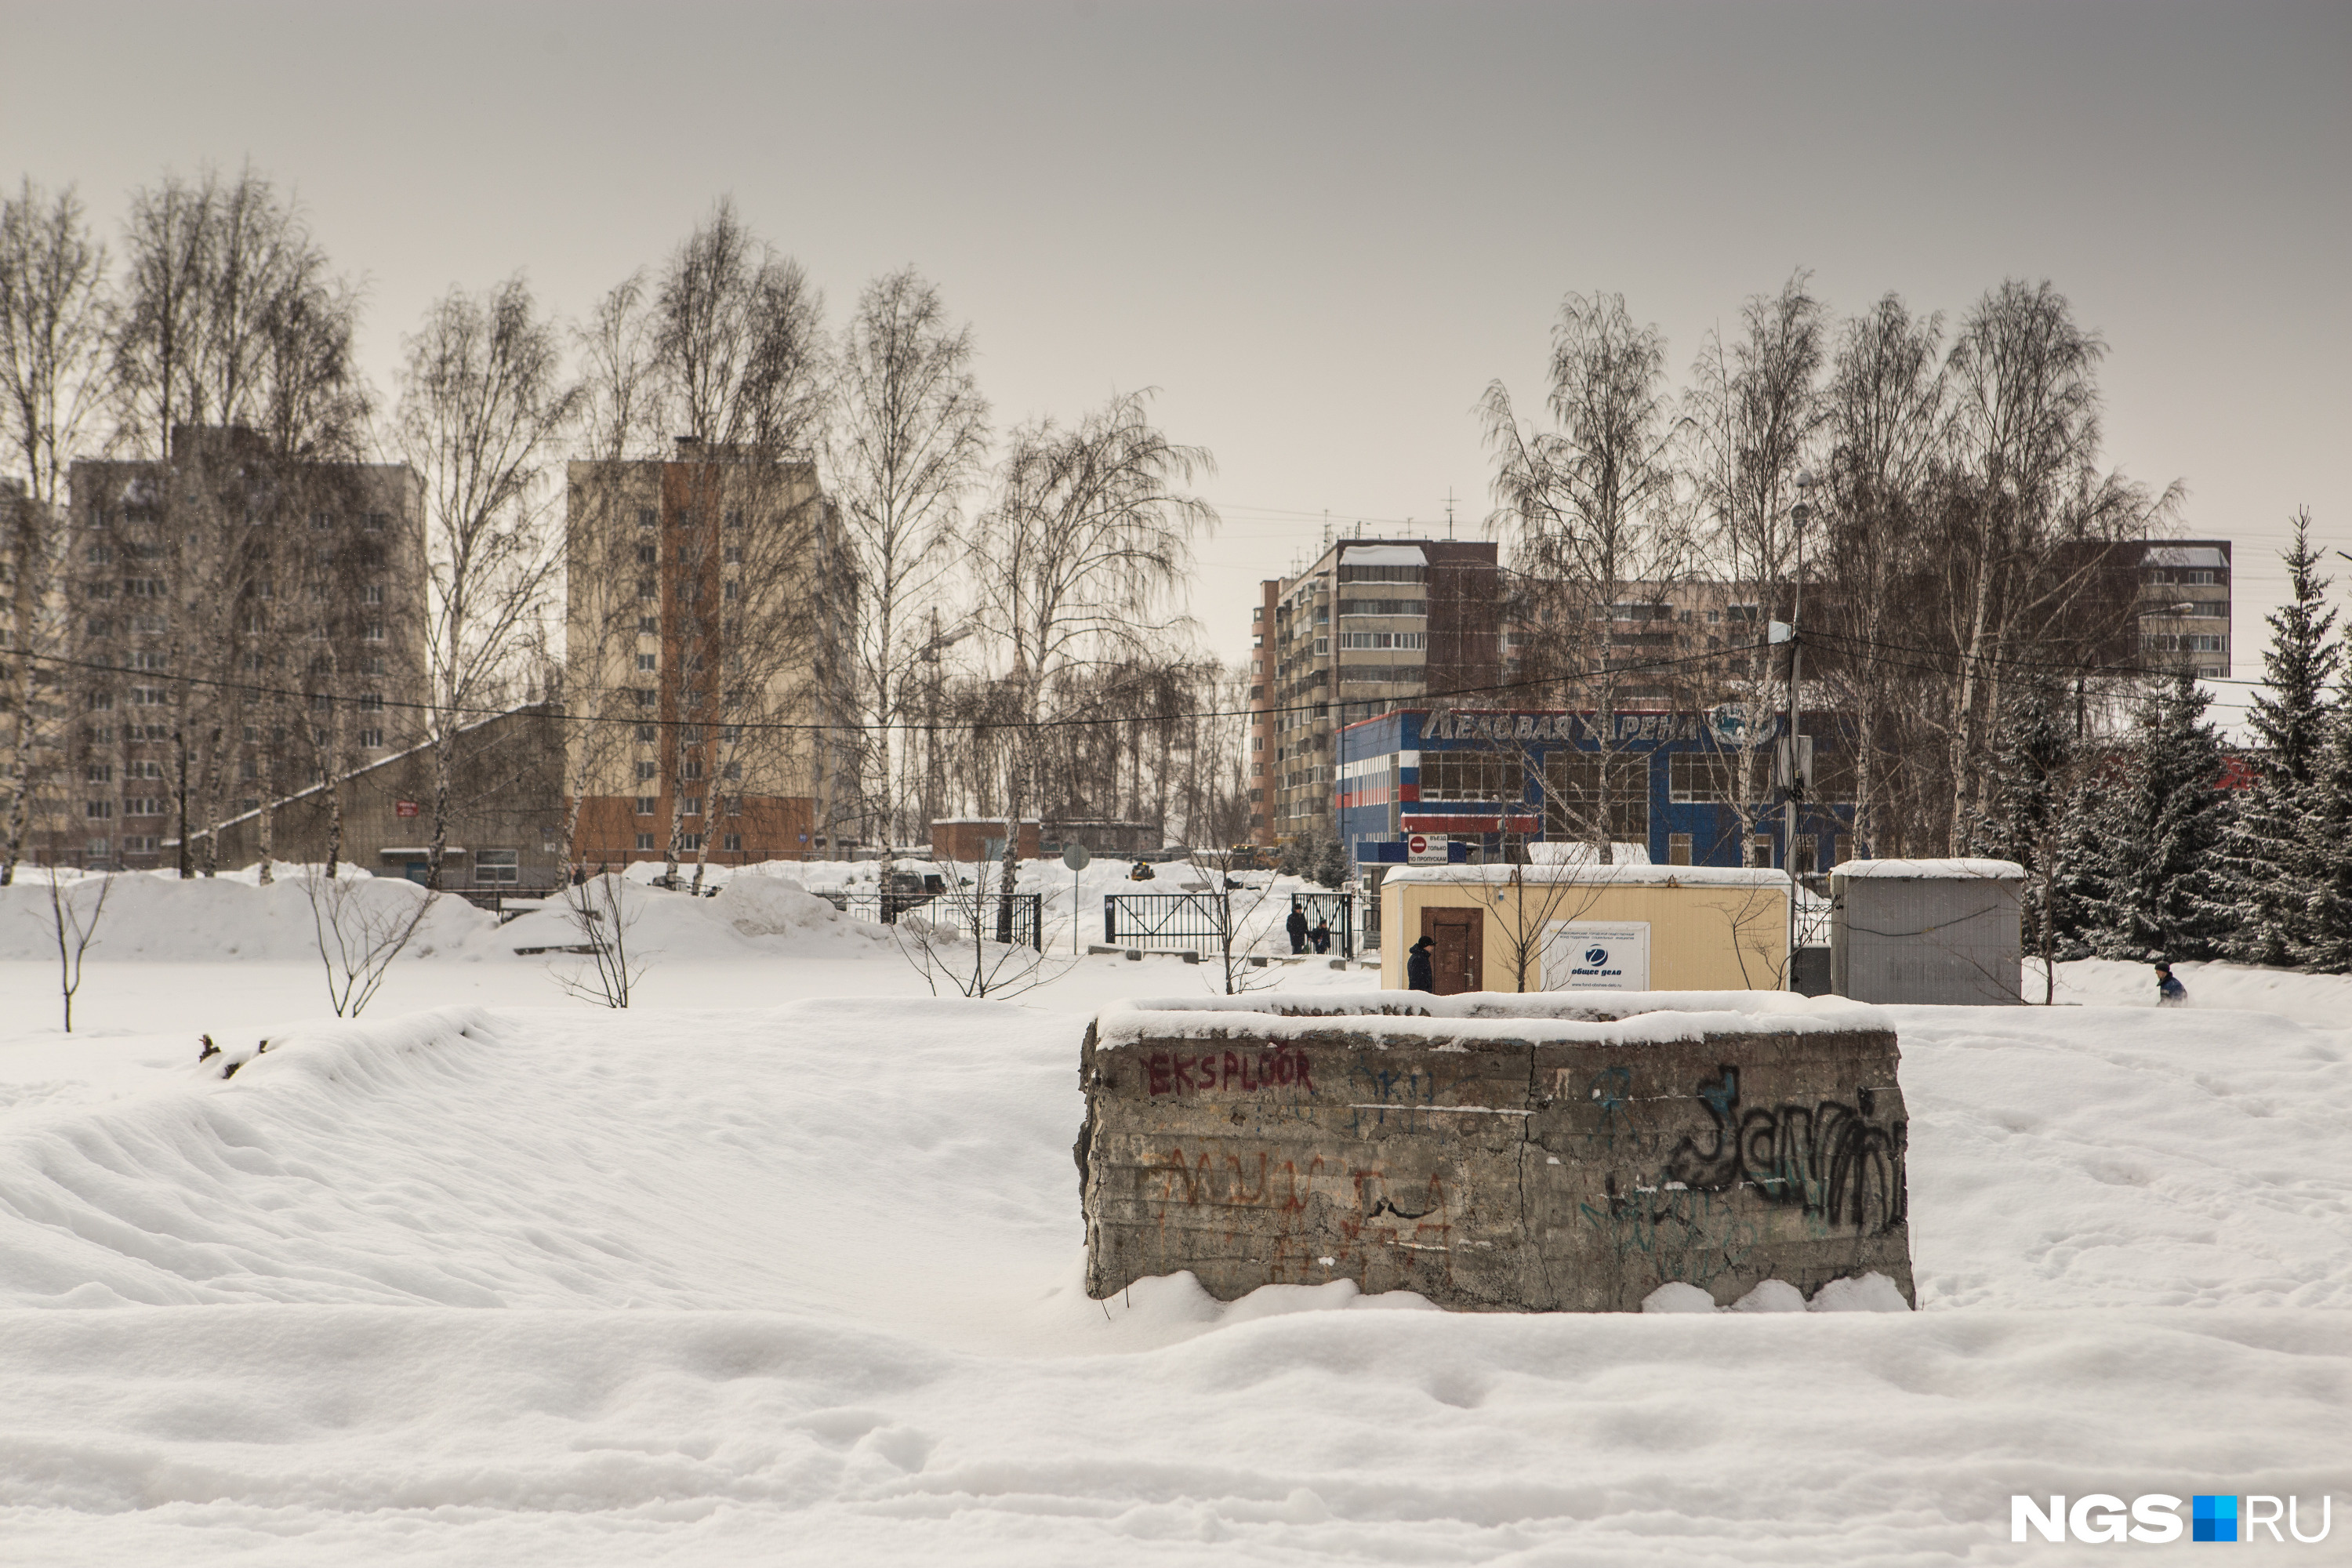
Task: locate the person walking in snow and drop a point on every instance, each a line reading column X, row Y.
column 1296, row 926
column 2170, row 992
column 1418, row 975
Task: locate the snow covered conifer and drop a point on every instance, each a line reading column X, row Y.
column 2264, row 858
column 2324, row 939
column 2156, row 888
column 2028, row 816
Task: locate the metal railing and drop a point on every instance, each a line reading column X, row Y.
column 1014, row 919
column 1177, row 922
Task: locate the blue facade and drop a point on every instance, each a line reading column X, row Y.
column 1381, row 798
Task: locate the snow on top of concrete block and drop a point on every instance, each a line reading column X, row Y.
column 1595, row 875
column 1959, row 870
column 1622, row 1017
column 1383, row 555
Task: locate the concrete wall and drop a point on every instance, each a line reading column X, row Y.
column 1550, row 1158
column 1710, row 929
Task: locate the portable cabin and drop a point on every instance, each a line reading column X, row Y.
column 1588, row 927
column 1933, row 932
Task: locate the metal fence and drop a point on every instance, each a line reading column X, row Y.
column 1175, row 922
column 1017, row 919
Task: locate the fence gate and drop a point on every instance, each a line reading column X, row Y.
column 1015, row 919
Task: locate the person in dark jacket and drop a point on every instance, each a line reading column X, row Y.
column 1296, row 926
column 1418, row 976
column 2170, row 992
column 1321, row 936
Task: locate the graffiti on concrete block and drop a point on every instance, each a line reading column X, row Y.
column 1183, row 1072
column 1697, row 1236
column 1832, row 1160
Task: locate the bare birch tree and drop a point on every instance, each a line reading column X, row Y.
column 55, row 315
column 739, row 361
column 910, row 432
column 1588, row 505
column 483, row 405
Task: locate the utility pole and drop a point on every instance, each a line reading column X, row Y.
column 1796, row 769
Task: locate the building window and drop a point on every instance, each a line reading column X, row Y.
column 734, row 806
column 733, row 844
column 648, row 661
column 731, row 589
column 97, row 808
column 1574, row 788
column 374, row 523
column 99, row 847
column 694, row 767
column 150, row 696
column 370, row 701
column 735, row 519
column 101, row 773
column 1470, row 775
column 374, row 632
column 1697, row 777
column 645, row 841
column 1384, row 640
column 646, row 519
column 648, row 772
column 646, row 590
column 648, row 732
column 649, row 626
column 1759, row 851
column 645, row 805
column 146, row 805
column 1678, row 849
column 734, row 555
column 731, row 771
column 647, row 555
column 690, row 841
column 370, row 739
column 494, row 865
column 648, row 696
column 691, row 807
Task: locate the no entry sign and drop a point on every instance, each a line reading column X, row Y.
column 1427, row 849
column 403, row 808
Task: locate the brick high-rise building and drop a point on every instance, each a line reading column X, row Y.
column 240, row 623
column 706, row 624
column 1372, row 625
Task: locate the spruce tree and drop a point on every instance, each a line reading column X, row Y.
column 2325, row 839
column 2026, row 820
column 2264, row 860
column 2155, row 888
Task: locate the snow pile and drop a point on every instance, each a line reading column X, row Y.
column 156, row 916
column 745, row 915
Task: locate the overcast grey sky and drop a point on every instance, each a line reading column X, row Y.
column 1321, row 230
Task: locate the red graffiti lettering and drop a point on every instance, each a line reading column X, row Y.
column 1183, row 1074
column 1234, row 1069
column 1155, row 1067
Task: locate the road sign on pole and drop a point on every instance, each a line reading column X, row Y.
column 1427, row 849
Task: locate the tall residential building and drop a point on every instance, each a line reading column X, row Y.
column 241, row 624
column 1372, row 625
column 2183, row 604
column 705, row 669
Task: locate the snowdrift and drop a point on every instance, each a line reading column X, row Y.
column 156, row 916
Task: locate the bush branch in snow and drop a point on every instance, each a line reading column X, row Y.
column 360, row 931
column 950, row 944
column 74, row 934
column 596, row 909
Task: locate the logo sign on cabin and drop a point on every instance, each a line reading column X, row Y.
column 1427, row 849
column 1594, row 955
column 403, row 808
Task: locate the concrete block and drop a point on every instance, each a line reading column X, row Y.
column 1496, row 1153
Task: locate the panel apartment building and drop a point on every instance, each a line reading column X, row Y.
column 705, row 669
column 240, row 623
column 1372, row 625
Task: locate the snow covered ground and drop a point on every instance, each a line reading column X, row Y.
column 784, row 1264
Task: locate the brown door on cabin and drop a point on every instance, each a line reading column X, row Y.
column 1457, row 956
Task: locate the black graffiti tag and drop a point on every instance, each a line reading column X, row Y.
column 1832, row 1159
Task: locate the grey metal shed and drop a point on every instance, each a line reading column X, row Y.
column 1935, row 931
